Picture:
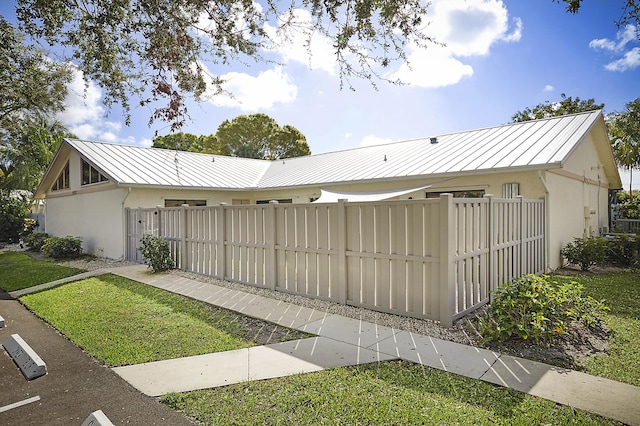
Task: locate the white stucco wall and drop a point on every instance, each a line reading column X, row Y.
column 578, row 198
column 96, row 217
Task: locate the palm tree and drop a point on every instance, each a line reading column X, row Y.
column 624, row 130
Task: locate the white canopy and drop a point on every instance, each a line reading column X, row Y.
column 327, row 196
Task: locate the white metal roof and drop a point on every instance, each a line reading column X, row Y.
column 533, row 144
column 132, row 165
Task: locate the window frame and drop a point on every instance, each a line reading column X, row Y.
column 87, row 174
column 63, row 177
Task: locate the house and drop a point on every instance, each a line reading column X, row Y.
column 566, row 160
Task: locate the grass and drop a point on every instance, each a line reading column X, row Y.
column 18, row 271
column 124, row 322
column 621, row 291
column 390, row 393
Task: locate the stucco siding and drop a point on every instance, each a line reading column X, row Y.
column 96, row 217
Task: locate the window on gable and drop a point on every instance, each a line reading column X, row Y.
column 63, row 180
column 91, row 175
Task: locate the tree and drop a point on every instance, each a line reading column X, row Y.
column 30, row 84
column 157, row 50
column 624, row 130
column 181, row 142
column 258, row 136
column 31, row 88
column 556, row 109
column 13, row 213
column 26, row 153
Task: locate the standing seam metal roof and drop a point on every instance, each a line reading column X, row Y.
column 540, row 143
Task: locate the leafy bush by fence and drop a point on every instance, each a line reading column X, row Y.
column 621, row 249
column 62, row 248
column 156, row 253
column 36, row 240
column 538, row 309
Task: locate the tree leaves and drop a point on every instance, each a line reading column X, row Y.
column 556, row 109
column 249, row 136
column 151, row 50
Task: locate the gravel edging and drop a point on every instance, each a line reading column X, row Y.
column 415, row 325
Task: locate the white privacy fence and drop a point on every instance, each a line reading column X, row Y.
column 429, row 258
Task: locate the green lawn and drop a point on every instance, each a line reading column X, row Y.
column 18, row 271
column 125, row 322
column 621, row 291
column 389, row 393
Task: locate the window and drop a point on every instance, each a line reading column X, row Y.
column 91, row 175
column 280, row 201
column 63, row 179
column 179, row 203
column 239, row 202
column 479, row 193
column 510, row 190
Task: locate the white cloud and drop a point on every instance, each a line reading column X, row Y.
column 254, row 93
column 370, row 140
column 467, row 28
column 298, row 42
column 84, row 114
column 548, row 88
column 628, row 34
column 82, row 103
column 630, row 59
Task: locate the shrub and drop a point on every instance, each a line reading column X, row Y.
column 585, row 252
column 628, row 205
column 36, row 240
column 30, row 225
column 623, row 250
column 12, row 219
column 62, row 248
column 537, row 309
column 156, row 253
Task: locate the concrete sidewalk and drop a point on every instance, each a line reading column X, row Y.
column 345, row 341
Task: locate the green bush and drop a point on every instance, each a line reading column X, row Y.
column 62, row 248
column 629, row 205
column 586, row 252
column 36, row 240
column 538, row 309
column 12, row 219
column 623, row 250
column 156, row 253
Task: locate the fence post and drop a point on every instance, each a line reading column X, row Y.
column 523, row 261
column 183, row 238
column 159, row 220
column 270, row 255
column 221, row 253
column 447, row 267
column 492, row 242
column 342, row 252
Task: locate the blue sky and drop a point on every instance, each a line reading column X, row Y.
column 500, row 57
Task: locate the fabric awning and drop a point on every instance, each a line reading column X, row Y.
column 327, row 196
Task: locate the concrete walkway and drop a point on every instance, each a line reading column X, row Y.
column 343, row 341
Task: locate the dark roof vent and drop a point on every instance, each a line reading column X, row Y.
column 434, row 140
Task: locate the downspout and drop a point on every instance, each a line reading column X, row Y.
column 547, row 213
column 124, row 226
